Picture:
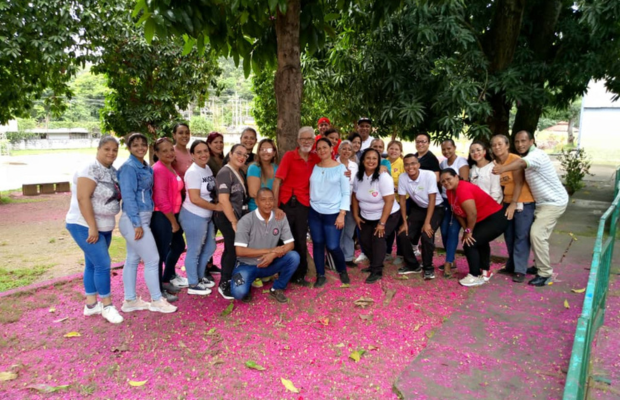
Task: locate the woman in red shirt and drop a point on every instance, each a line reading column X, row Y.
column 482, row 220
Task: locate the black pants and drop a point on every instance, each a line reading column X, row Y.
column 170, row 245
column 229, row 256
column 376, row 246
column 416, row 218
column 479, row 254
column 297, row 216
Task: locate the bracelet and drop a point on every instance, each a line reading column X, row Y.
column 382, row 223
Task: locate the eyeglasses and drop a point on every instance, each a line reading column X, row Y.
column 238, row 154
column 267, row 150
column 306, row 139
column 421, row 141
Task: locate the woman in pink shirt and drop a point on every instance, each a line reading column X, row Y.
column 182, row 160
column 167, row 189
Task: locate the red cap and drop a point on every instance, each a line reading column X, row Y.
column 324, row 120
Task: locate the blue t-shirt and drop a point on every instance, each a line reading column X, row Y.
column 254, row 170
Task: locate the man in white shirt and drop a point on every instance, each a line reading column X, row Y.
column 364, row 127
column 550, row 196
column 425, row 215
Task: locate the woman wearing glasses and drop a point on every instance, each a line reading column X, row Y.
column 167, row 189
column 136, row 181
column 450, row 226
column 232, row 195
column 480, row 173
column 262, row 172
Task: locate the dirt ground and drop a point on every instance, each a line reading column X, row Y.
column 33, row 235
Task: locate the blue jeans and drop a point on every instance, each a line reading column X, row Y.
column 170, row 245
column 96, row 260
column 450, row 228
column 145, row 249
column 200, row 236
column 517, row 236
column 347, row 244
column 325, row 234
column 244, row 274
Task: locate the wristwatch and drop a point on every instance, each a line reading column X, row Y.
column 467, row 230
column 381, row 223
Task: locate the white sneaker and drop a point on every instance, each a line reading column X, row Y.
column 162, row 306
column 93, row 311
column 111, row 314
column 206, row 282
column 199, row 289
column 471, row 280
column 486, row 275
column 179, row 281
column 362, row 257
column 134, row 305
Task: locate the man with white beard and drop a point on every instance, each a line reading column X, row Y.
column 291, row 188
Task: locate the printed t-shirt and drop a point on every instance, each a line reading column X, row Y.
column 227, row 182
column 203, row 180
column 370, row 195
column 254, row 170
column 456, row 166
column 105, row 199
column 295, row 173
column 508, row 183
column 254, row 233
column 420, row 188
column 485, row 205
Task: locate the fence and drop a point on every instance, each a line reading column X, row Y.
column 593, row 312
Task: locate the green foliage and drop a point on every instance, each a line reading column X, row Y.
column 16, row 137
column 200, row 126
column 40, row 43
column 575, row 165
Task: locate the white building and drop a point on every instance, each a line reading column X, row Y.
column 599, row 127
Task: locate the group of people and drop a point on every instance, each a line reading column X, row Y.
column 340, row 191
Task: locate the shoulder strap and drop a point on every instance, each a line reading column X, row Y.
column 239, row 178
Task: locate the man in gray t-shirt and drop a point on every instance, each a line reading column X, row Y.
column 258, row 253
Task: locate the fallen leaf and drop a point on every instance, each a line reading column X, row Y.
column 578, row 290
column 289, row 385
column 357, row 355
column 340, row 345
column 137, row 383
column 415, row 329
column 430, row 334
column 550, row 283
column 228, row 309
column 7, row 376
column 366, row 317
column 345, row 285
column 389, row 295
column 182, row 345
column 253, row 365
column 573, row 236
column 401, row 277
column 363, row 302
column 566, row 304
column 210, row 332
column 73, row 334
column 120, row 349
column 371, row 348
column 47, row 388
column 52, row 309
column 62, row 319
column 324, row 321
column 266, row 291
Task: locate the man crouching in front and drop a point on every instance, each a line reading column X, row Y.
column 258, row 253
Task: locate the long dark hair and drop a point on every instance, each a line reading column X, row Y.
column 257, row 160
column 487, row 152
column 362, row 169
column 192, row 148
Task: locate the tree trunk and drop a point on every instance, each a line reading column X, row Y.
column 500, row 45
column 288, row 82
column 571, row 136
column 526, row 119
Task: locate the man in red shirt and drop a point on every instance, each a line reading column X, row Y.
column 291, row 187
column 323, row 124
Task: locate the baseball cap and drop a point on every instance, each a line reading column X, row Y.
column 364, row 119
column 323, row 120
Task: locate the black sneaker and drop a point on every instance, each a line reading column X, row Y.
column 278, row 294
column 344, row 277
column 366, row 270
column 301, row 282
column 351, row 264
column 429, row 275
column 374, row 277
column 170, row 288
column 532, row 270
column 247, row 298
column 505, row 271
column 406, row 270
column 540, row 281
column 213, row 270
column 518, row 277
column 320, row 282
column 169, row 296
column 224, row 290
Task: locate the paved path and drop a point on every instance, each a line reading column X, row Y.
column 513, row 341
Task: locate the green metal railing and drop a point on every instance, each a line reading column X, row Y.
column 593, row 312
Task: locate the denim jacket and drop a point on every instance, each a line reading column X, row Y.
column 136, row 181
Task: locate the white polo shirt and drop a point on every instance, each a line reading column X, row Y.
column 544, row 182
column 370, row 195
column 420, row 188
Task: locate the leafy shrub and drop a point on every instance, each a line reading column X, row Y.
column 575, row 165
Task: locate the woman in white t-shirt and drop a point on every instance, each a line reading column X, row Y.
column 481, row 174
column 374, row 210
column 347, row 244
column 450, row 226
column 196, row 219
column 95, row 201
